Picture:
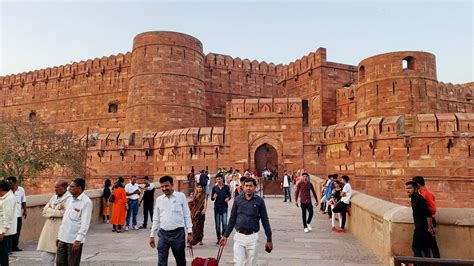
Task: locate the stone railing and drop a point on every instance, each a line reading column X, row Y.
column 387, row 228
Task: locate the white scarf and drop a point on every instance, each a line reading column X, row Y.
column 58, row 201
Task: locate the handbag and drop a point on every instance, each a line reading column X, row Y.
column 338, row 207
column 198, row 261
column 112, row 198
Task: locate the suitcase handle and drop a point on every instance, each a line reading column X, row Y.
column 219, row 253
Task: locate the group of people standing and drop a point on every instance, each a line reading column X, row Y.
column 423, row 204
column 335, row 201
column 68, row 215
column 122, row 203
column 12, row 212
column 177, row 220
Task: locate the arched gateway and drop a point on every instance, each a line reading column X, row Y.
column 265, row 152
column 266, row 156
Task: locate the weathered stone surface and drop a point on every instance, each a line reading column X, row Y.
column 166, row 107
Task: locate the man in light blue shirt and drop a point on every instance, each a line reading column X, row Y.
column 171, row 218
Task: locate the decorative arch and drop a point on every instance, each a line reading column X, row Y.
column 408, row 63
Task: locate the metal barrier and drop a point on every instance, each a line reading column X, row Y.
column 405, row 260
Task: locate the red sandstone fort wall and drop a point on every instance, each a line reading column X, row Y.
column 381, row 122
column 385, row 87
column 228, row 78
column 379, row 156
column 316, row 80
column 73, row 96
column 166, row 83
column 276, row 122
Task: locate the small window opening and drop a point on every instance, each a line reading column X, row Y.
column 305, row 112
column 113, row 107
column 361, row 73
column 408, row 63
column 32, row 116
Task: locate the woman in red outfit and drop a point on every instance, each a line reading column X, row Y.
column 119, row 207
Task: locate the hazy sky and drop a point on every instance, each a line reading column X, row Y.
column 40, row 34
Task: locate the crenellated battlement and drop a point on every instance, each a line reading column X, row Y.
column 229, row 63
column 303, row 65
column 428, row 125
column 87, row 67
column 456, row 92
column 281, row 107
column 176, row 138
column 306, row 65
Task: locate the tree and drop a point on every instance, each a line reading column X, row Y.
column 27, row 148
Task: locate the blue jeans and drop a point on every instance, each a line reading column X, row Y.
column 132, row 207
column 221, row 223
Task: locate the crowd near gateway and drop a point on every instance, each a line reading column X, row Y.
column 178, row 220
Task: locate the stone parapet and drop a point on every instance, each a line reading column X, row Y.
column 387, row 228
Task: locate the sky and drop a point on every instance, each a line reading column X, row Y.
column 40, row 34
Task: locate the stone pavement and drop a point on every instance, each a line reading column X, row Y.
column 291, row 245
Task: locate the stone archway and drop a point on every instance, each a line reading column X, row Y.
column 266, row 156
column 266, row 151
column 273, row 144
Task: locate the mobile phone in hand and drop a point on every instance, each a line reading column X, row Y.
column 268, row 250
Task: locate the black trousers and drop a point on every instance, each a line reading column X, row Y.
column 433, row 244
column 287, row 193
column 306, row 207
column 341, row 208
column 16, row 237
column 176, row 240
column 421, row 243
column 65, row 256
column 147, row 209
column 4, row 249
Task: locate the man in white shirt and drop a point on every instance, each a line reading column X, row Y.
column 133, row 194
column 341, row 207
column 7, row 219
column 171, row 220
column 286, row 186
column 20, row 211
column 74, row 226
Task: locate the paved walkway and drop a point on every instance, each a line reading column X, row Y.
column 291, row 245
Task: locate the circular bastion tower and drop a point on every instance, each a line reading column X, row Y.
column 397, row 83
column 166, row 89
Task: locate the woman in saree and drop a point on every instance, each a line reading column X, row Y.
column 119, row 208
column 198, row 207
